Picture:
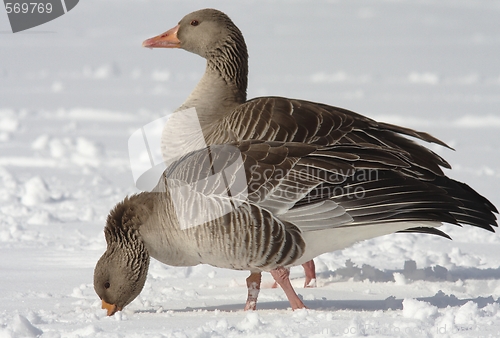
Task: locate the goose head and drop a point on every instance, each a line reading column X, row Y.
column 121, row 272
column 212, row 35
column 202, row 32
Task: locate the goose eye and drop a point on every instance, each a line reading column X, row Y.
column 195, row 23
column 107, row 285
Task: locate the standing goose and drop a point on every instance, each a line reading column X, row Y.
column 393, row 204
column 225, row 114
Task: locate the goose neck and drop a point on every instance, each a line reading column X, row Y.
column 224, row 83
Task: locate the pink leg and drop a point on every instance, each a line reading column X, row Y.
column 310, row 271
column 282, row 277
column 253, row 284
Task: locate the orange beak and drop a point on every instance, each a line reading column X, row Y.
column 112, row 309
column 166, row 40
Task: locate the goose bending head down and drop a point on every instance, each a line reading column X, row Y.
column 289, row 218
column 121, row 272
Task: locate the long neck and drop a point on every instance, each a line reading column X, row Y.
column 224, row 84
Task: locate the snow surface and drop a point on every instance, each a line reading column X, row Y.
column 73, row 90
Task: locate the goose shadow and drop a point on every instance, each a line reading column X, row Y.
column 367, row 272
column 410, row 272
column 440, row 300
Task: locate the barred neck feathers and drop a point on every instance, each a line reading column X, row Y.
column 127, row 216
column 230, row 62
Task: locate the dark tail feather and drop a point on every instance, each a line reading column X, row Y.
column 422, row 230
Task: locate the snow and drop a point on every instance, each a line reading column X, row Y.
column 73, row 90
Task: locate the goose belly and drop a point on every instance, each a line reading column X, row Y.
column 247, row 240
column 319, row 242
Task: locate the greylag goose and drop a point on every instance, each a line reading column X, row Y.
column 266, row 205
column 227, row 117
